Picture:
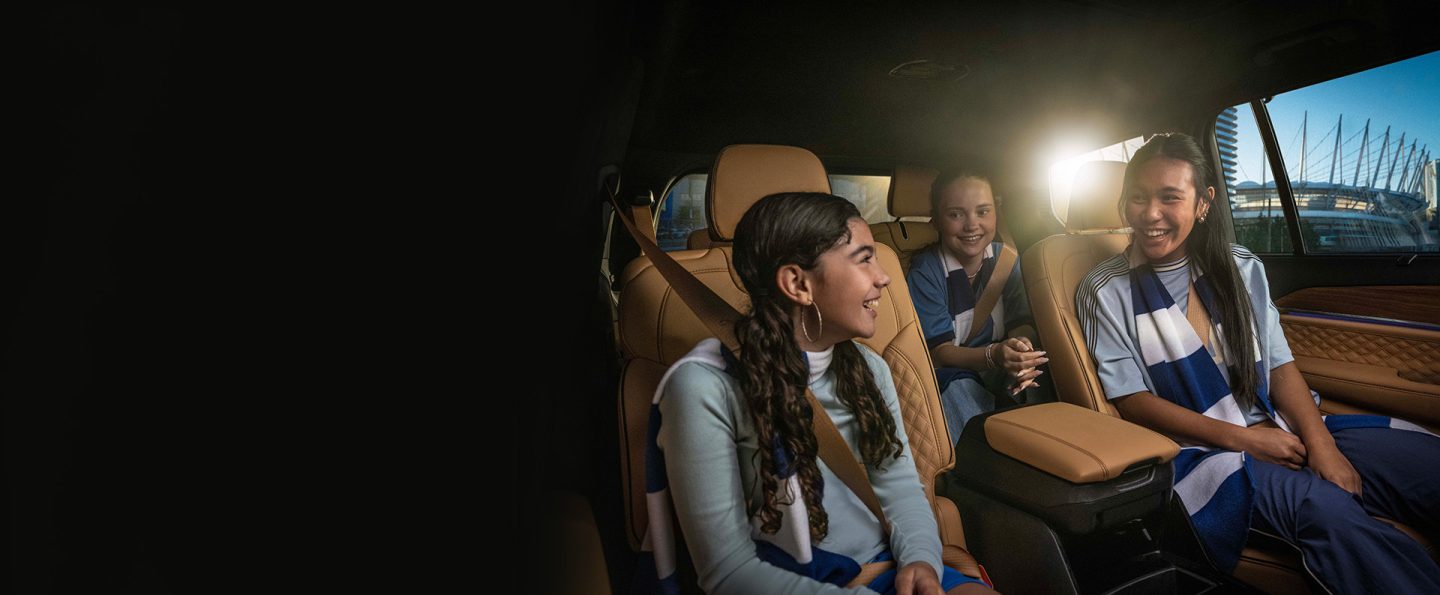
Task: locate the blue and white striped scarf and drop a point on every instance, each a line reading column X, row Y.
column 789, row 548
column 1213, row 484
column 960, row 300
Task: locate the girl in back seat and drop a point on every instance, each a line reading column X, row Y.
column 760, row 511
column 1187, row 343
column 946, row 281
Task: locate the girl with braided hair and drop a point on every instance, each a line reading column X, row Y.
column 761, row 513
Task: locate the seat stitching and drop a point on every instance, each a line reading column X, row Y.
column 929, row 406
column 660, row 320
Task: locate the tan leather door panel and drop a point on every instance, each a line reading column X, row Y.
column 1362, row 367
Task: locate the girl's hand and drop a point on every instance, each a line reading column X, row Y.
column 917, row 578
column 1274, row 445
column 1020, row 362
column 1329, row 463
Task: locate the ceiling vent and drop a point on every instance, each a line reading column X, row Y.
column 929, row 70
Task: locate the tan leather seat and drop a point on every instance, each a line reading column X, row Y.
column 656, row 328
column 699, row 240
column 909, row 197
column 1053, row 269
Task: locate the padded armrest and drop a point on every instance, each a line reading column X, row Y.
column 1074, row 443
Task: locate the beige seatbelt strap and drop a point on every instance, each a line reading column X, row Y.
column 720, row 317
column 642, row 213
column 841, row 460
column 1004, row 263
column 1199, row 319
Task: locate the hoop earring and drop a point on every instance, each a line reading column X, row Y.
column 821, row 324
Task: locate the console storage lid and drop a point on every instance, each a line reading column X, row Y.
column 1075, row 444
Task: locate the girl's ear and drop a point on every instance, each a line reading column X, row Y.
column 794, row 284
column 1206, row 202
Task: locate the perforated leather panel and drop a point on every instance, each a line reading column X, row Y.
column 1415, row 357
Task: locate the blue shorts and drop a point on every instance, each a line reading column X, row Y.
column 885, row 583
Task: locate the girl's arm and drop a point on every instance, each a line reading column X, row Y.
column 1288, row 390
column 698, row 438
column 1292, row 400
column 953, row 356
column 1183, row 425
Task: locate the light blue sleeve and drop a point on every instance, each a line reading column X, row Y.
column 927, row 291
column 1267, row 316
column 698, row 437
column 1101, row 312
column 914, row 536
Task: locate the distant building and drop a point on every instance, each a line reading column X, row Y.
column 1226, row 126
column 1342, row 218
column 1427, row 182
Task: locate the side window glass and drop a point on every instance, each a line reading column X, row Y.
column 682, row 212
column 1360, row 152
column 1249, row 182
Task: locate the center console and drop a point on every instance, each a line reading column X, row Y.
column 1061, row 499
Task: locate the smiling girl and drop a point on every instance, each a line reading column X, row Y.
column 946, row 280
column 1188, row 343
column 738, row 445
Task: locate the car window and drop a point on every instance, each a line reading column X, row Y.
column 1249, row 182
column 682, row 212
column 1359, row 152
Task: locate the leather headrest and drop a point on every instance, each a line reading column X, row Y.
column 1095, row 196
column 910, row 191
column 744, row 174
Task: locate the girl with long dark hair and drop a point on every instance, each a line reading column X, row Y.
column 738, row 446
column 1188, row 343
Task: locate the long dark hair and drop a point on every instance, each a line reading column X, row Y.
column 783, row 229
column 1207, row 245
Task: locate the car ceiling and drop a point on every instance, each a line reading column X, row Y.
column 818, row 75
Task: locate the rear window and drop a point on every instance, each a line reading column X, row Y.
column 1062, row 173
column 682, row 212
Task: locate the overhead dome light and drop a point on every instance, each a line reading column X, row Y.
column 930, row 70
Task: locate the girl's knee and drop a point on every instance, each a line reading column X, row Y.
column 1327, row 507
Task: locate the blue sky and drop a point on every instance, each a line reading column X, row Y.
column 1404, row 95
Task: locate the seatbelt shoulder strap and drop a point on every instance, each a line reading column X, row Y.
column 1004, row 263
